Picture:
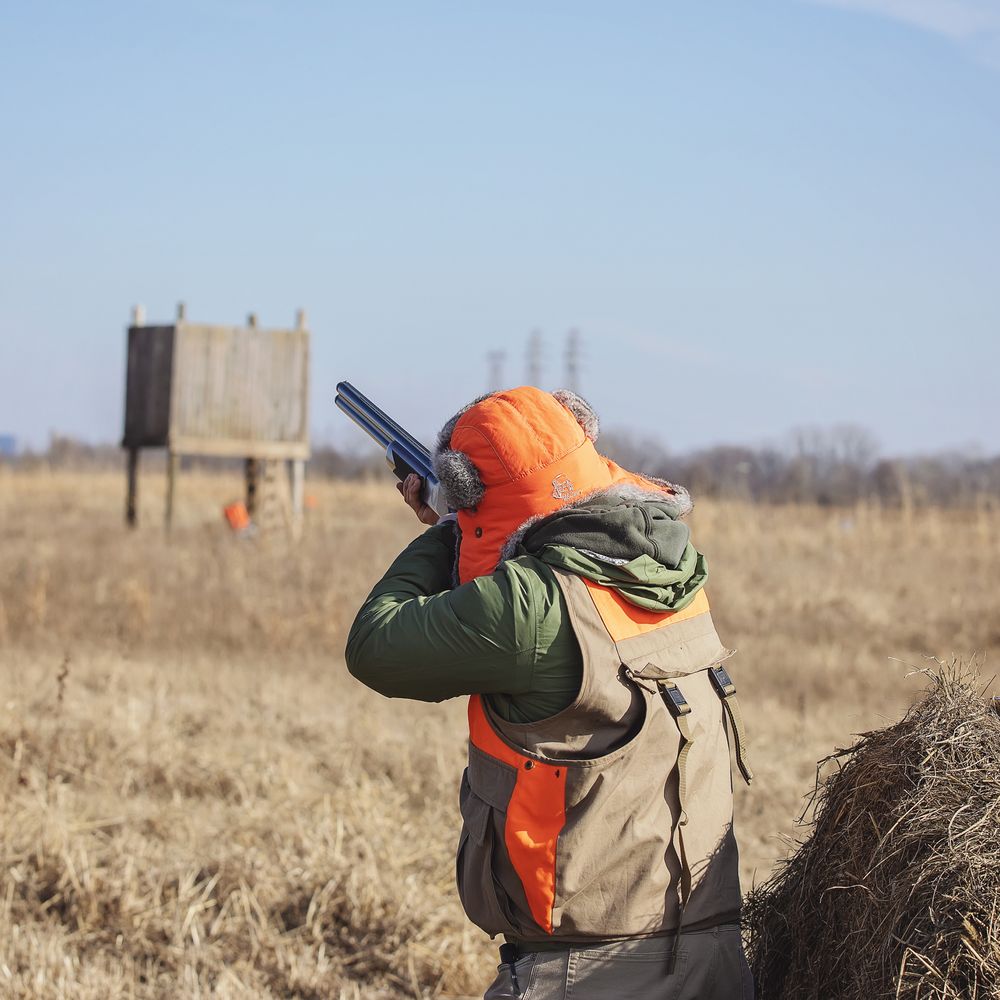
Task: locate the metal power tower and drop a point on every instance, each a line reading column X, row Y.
column 573, row 360
column 534, row 358
column 495, row 359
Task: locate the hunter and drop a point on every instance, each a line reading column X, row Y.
column 564, row 598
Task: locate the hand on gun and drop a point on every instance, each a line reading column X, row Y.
column 410, row 489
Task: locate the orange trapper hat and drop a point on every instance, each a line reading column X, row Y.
column 532, row 454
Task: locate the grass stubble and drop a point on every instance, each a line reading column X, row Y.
column 198, row 801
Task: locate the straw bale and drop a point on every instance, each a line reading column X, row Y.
column 895, row 892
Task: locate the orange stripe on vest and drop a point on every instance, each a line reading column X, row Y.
column 624, row 620
column 536, row 815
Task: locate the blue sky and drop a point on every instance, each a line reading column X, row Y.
column 760, row 215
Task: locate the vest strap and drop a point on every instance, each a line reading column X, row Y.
column 679, row 708
column 726, row 690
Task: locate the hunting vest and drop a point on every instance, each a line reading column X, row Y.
column 614, row 817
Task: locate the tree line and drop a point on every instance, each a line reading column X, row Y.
column 837, row 466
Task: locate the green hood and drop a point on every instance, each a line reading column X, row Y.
column 635, row 546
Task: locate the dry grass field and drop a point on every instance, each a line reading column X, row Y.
column 198, row 801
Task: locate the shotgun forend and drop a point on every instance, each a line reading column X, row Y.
column 403, row 452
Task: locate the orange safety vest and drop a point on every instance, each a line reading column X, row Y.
column 614, row 817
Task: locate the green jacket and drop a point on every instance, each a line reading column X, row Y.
column 508, row 635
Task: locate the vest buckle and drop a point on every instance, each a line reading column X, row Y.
column 722, row 681
column 674, row 699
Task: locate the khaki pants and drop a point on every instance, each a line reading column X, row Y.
column 710, row 966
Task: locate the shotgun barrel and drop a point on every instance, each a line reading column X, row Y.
column 403, row 452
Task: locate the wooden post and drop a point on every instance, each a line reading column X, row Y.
column 173, row 463
column 298, row 495
column 131, row 517
column 251, row 472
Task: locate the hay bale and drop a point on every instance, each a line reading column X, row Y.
column 896, row 891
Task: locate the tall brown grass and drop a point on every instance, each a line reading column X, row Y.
column 198, row 801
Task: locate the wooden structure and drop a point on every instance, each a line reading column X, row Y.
column 230, row 391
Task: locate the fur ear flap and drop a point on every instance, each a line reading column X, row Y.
column 459, row 479
column 582, row 410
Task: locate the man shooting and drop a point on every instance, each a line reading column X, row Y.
column 565, row 598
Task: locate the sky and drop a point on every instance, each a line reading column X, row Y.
column 760, row 216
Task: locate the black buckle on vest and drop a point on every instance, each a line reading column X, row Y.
column 674, row 699
column 722, row 681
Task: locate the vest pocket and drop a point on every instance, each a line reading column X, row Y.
column 483, row 899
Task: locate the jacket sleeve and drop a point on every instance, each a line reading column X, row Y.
column 414, row 637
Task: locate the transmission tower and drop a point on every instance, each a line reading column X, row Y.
column 534, row 365
column 495, row 359
column 573, row 360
